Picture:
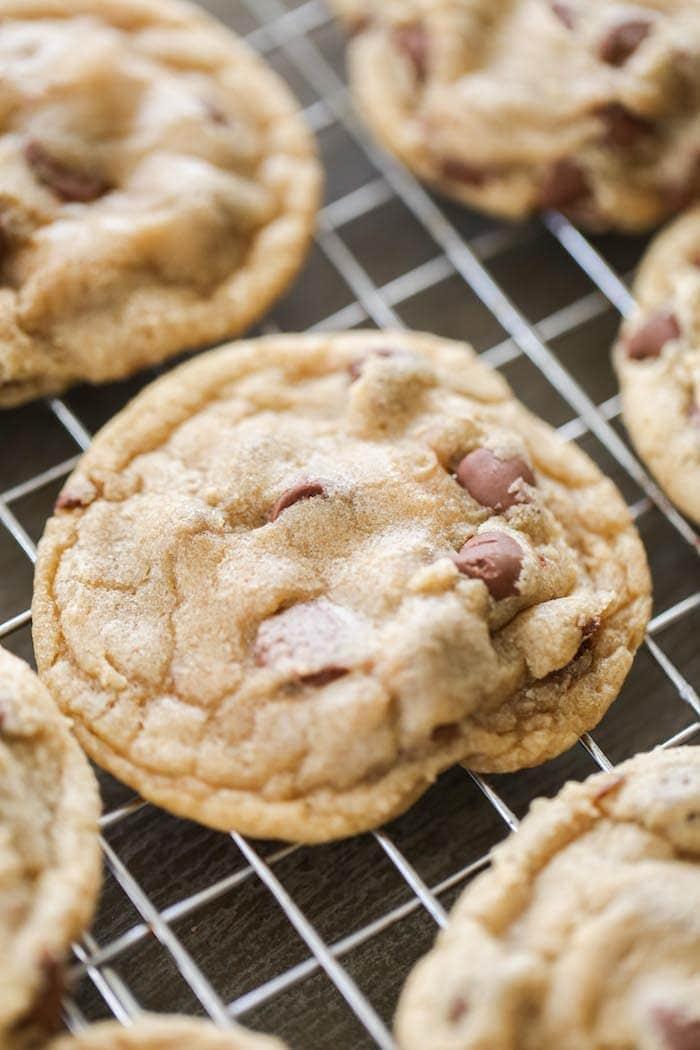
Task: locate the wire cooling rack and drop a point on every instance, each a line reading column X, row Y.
column 314, row 944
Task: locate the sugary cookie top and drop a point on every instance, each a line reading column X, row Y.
column 658, row 361
column 148, row 162
column 165, row 1032
column 585, row 933
column 49, row 853
column 301, row 565
column 586, row 105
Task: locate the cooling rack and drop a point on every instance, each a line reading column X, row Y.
column 313, row 944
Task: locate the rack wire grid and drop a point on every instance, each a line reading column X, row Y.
column 314, row 944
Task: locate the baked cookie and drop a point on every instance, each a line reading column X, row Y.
column 510, row 106
column 298, row 577
column 585, row 933
column 657, row 359
column 49, row 851
column 157, row 188
column 165, row 1032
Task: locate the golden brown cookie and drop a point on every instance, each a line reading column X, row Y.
column 510, row 106
column 165, row 1032
column 298, row 577
column 157, row 188
column 49, row 851
column 585, row 932
column 657, row 359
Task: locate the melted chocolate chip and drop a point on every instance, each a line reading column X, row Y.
column 564, row 13
column 622, row 127
column 564, row 184
column 412, row 39
column 66, row 182
column 468, row 174
column 355, row 367
column 678, row 1031
column 650, row 339
column 302, row 490
column 622, row 40
column 492, row 481
column 494, row 557
column 311, row 642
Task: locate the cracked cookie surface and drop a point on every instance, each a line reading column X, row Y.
column 165, row 1032
column 657, row 359
column 300, row 576
column 585, row 932
column 49, row 851
column 157, row 188
column 514, row 105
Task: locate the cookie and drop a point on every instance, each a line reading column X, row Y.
column 585, row 932
column 657, row 359
column 515, row 105
column 298, row 577
column 165, row 1032
column 157, row 188
column 49, row 851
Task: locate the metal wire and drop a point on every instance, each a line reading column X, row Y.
column 290, row 32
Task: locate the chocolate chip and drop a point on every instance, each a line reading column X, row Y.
column 302, row 490
column 694, row 414
column 650, row 339
column 564, row 184
column 64, row 181
column 328, row 674
column 678, row 1031
column 312, row 642
column 214, row 113
column 458, row 1009
column 355, row 367
column 493, row 481
column 622, row 40
column 622, row 127
column 470, row 175
column 588, row 633
column 494, row 557
column 412, row 39
column 71, row 500
column 564, row 13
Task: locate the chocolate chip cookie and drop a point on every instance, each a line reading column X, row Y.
column 515, row 105
column 165, row 1032
column 298, row 577
column 657, row 359
column 585, row 933
column 49, row 851
column 157, row 188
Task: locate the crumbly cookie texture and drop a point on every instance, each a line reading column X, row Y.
column 49, row 851
column 510, row 106
column 157, row 188
column 657, row 359
column 165, row 1032
column 300, row 576
column 585, row 932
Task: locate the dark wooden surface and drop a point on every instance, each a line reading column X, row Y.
column 242, row 939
